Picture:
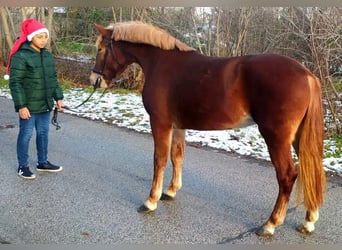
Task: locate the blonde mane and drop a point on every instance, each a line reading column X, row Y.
column 139, row 32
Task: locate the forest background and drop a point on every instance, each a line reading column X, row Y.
column 311, row 35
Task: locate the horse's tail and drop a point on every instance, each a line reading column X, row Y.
column 311, row 175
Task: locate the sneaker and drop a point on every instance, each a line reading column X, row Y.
column 49, row 167
column 24, row 172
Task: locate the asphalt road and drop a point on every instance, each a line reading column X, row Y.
column 107, row 176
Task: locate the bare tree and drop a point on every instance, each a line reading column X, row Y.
column 218, row 12
column 5, row 25
column 318, row 45
column 234, row 27
column 194, row 21
column 28, row 12
column 324, row 40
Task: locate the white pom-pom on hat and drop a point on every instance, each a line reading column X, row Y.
column 6, row 77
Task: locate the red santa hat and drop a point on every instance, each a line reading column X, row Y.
column 29, row 28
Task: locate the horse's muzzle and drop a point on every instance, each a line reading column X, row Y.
column 97, row 81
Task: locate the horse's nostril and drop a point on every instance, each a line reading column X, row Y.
column 97, row 83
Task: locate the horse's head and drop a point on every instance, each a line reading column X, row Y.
column 109, row 61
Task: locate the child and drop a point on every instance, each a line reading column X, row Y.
column 34, row 88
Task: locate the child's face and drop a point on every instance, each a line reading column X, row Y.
column 39, row 41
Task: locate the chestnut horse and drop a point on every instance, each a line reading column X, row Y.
column 186, row 90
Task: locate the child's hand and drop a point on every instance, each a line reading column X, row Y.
column 60, row 105
column 24, row 113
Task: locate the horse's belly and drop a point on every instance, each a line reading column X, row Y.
column 214, row 123
column 245, row 122
column 242, row 122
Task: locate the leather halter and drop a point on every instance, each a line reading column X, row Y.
column 109, row 47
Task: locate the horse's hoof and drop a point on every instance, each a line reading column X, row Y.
column 303, row 230
column 263, row 232
column 144, row 209
column 166, row 197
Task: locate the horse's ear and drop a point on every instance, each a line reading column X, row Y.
column 99, row 28
column 102, row 30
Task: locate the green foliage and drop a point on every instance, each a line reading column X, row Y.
column 74, row 48
column 123, row 91
column 66, row 85
column 338, row 85
column 89, row 89
column 335, row 146
column 3, row 83
column 96, row 16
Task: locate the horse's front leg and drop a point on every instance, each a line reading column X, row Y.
column 177, row 156
column 162, row 140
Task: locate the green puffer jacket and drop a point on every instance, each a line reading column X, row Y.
column 33, row 80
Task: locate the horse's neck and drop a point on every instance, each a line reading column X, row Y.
column 144, row 55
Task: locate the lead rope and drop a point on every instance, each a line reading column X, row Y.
column 54, row 121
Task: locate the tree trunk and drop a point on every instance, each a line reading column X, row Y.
column 195, row 30
column 49, row 26
column 218, row 42
column 4, row 19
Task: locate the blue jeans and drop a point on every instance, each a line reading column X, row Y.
column 40, row 122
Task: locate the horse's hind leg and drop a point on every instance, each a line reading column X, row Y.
column 311, row 215
column 280, row 152
column 177, row 155
column 309, row 225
